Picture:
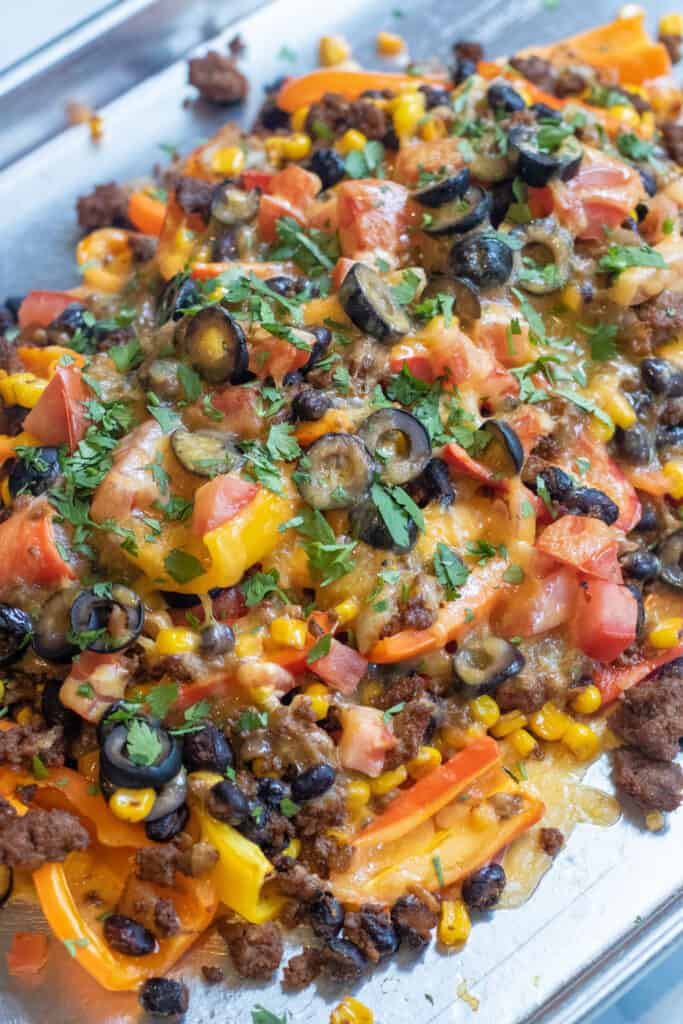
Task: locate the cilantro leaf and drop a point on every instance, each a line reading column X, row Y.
column 167, row 418
column 396, row 508
column 288, row 807
column 514, row 573
column 312, row 250
column 259, row 586
column 620, row 257
column 602, row 339
column 182, row 567
column 160, row 698
column 328, row 558
column 366, row 162
column 251, row 720
column 450, row 570
column 394, row 710
column 259, row 1015
column 633, row 148
column 319, row 649
column 195, row 717
column 190, row 381
column 127, row 356
column 281, row 444
column 143, row 745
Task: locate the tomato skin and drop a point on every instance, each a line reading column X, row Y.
column 271, row 208
column 613, row 681
column 342, row 668
column 586, row 544
column 541, row 605
column 257, row 179
column 290, row 194
column 429, row 157
column 365, row 740
column 219, row 500
column 59, row 416
column 605, row 619
column 29, row 551
column 39, row 309
column 461, row 462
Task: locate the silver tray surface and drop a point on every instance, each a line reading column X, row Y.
column 613, row 902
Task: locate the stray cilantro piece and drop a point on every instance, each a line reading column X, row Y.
column 620, row 257
column 128, row 356
column 38, row 768
column 366, row 162
column 288, row 807
column 167, row 419
column 250, row 720
column 73, row 944
column 194, row 716
column 319, row 649
column 602, row 339
column 261, row 585
column 438, row 869
column 182, row 567
column 160, row 698
column 259, row 1015
column 513, row 574
column 450, row 570
column 630, row 146
column 143, row 745
column 395, row 710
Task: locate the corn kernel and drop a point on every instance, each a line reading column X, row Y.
column 673, row 471
column 350, row 141
column 22, row 389
column 333, row 50
column 424, row 762
column 274, row 145
column 261, row 695
column 298, row 119
column 319, row 697
column 177, row 640
column 483, row 816
column 293, row 850
column 346, row 611
column 615, row 403
column 666, row 633
column 389, row 44
column 647, row 124
column 297, row 146
column 671, row 25
column 431, row 128
column 5, row 493
column 485, row 710
column 572, row 298
column 522, row 742
column 132, row 804
column 357, row 795
column 24, row 716
column 407, row 110
column 3, row 688
column 628, row 116
column 389, row 781
column 351, row 1011
column 582, row 741
column 507, row 723
column 248, row 645
column 549, row 723
column 228, row 160
column 600, row 430
column 588, row 701
column 654, row 821
column 289, row 632
column 454, row 923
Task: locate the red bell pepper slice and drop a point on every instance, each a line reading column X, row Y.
column 431, row 793
column 612, row 681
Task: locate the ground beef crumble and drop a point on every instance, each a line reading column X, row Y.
column 18, row 746
column 650, row 717
column 140, row 901
column 414, row 921
column 653, row 785
column 38, row 837
column 302, row 969
column 551, row 840
column 410, row 726
column 160, row 863
column 218, row 79
column 106, row 206
column 255, row 949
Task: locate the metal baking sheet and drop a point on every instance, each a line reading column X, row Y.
column 613, row 902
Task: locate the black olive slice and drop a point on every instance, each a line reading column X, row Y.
column 433, row 484
column 485, row 260
column 441, row 193
column 51, row 635
column 367, row 301
column 399, row 443
column 231, row 205
column 34, row 473
column 670, row 552
column 205, row 452
column 464, row 293
column 368, row 525
column 543, row 262
column 484, row 664
column 504, row 454
column 178, row 294
column 16, row 628
column 662, row 377
column 536, row 166
column 114, row 620
column 329, row 166
column 121, row 765
column 6, row 883
column 502, row 97
column 319, row 339
column 171, row 796
column 460, row 215
column 338, row 472
column 216, row 346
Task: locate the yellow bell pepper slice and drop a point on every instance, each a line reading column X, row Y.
column 240, row 875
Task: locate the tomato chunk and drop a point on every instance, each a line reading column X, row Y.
column 29, row 551
column 220, row 499
column 39, row 309
column 365, row 740
column 605, row 619
column 373, row 219
column 342, row 668
column 587, row 544
column 59, row 416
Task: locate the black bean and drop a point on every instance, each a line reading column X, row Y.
column 558, row 484
column 634, row 444
column 273, row 791
column 164, row 997
column 433, row 484
column 328, row 165
column 662, row 377
column 464, row 68
column 128, row 936
column 228, row 803
column 648, row 179
column 288, row 287
column 216, row 639
column 641, row 565
column 344, row 961
column 503, row 97
column 207, row 750
column 435, row 96
column 483, row 889
column 377, row 925
column 169, row 826
column 310, row 404
column 326, row 916
column 313, row 782
column 669, row 437
column 648, row 517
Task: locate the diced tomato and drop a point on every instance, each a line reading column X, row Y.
column 39, row 309
column 342, row 668
column 455, row 357
column 365, row 740
column 373, row 219
column 494, row 332
column 219, row 500
column 129, row 483
column 257, row 179
column 341, row 269
column 205, row 689
column 271, row 208
column 324, row 214
column 428, row 157
column 462, row 463
column 541, row 202
column 602, row 472
column 27, row 955
column 530, row 424
column 660, row 210
column 599, row 197
column 605, row 619
column 59, row 416
column 238, row 406
column 586, row 544
column 29, row 551
column 416, row 357
column 274, row 357
column 613, row 681
column 540, row 605
column 296, row 184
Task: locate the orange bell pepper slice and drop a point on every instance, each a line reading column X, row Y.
column 207, row 271
column 146, row 213
column 483, row 588
column 195, row 901
column 29, row 551
column 43, row 361
column 307, row 89
column 69, row 790
column 431, row 793
column 613, row 680
column 333, row 420
column 105, row 258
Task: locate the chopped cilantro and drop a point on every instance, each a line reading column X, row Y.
column 288, row 808
column 438, row 869
column 394, row 710
column 366, row 162
column 195, row 717
column 160, row 698
column 450, row 570
column 602, row 339
column 251, row 720
column 261, row 585
column 630, row 146
column 320, row 649
column 514, row 573
column 127, row 356
column 182, row 566
column 259, row 1015
column 167, row 419
column 38, row 768
column 620, row 257
column 190, row 382
column 143, row 745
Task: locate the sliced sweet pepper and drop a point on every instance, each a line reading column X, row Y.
column 242, row 870
column 29, row 551
column 195, row 902
column 306, row 89
column 418, row 803
column 612, row 681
